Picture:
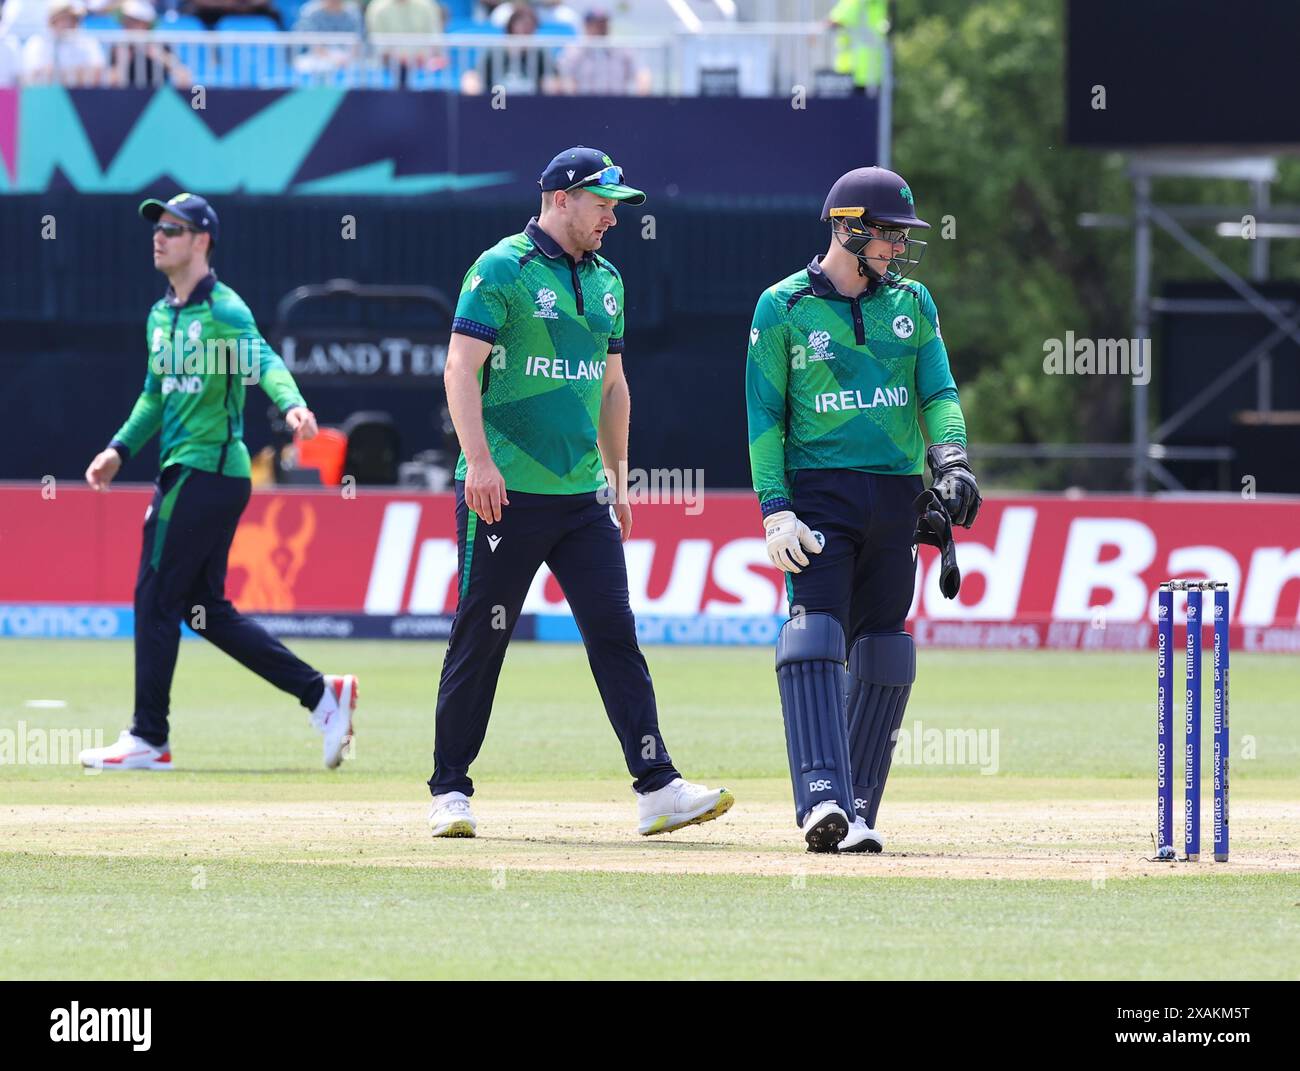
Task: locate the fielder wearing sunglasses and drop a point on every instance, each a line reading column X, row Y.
column 173, row 230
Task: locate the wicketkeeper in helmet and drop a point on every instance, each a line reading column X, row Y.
column 845, row 360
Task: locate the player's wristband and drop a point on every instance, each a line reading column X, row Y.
column 123, row 451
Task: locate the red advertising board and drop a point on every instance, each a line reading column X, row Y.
column 1039, row 571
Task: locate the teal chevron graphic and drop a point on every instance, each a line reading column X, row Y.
column 379, row 178
column 170, row 140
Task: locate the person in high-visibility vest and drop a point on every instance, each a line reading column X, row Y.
column 859, row 47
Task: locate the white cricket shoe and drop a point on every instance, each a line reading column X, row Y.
column 332, row 717
column 862, row 838
column 450, row 816
column 129, row 753
column 680, row 803
column 825, row 826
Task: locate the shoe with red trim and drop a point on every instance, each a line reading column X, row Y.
column 333, row 715
column 128, row 753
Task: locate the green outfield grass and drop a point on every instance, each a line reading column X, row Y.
column 285, row 921
column 257, row 895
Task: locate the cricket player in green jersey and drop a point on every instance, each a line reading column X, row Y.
column 846, row 359
column 204, row 350
column 536, row 390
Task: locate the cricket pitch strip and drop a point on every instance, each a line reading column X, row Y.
column 1085, row 840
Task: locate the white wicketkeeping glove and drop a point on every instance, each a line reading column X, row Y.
column 787, row 539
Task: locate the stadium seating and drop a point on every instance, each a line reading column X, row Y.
column 216, row 62
column 177, row 23
column 374, row 447
column 468, row 25
column 247, row 24
column 458, row 10
column 289, row 10
column 368, row 77
column 462, row 59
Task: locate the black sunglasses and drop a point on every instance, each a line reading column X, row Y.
column 888, row 233
column 173, row 230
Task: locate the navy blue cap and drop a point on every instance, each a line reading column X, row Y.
column 190, row 207
column 873, row 195
column 592, row 170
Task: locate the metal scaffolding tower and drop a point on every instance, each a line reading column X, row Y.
column 1148, row 449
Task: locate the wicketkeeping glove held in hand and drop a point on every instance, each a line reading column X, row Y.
column 787, row 539
column 954, row 483
column 934, row 527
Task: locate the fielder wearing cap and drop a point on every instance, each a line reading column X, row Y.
column 203, row 348
column 845, row 361
column 536, row 390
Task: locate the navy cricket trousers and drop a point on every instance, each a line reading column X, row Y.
column 187, row 535
column 577, row 537
column 865, row 574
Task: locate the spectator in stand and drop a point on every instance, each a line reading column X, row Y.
column 210, row 12
column 23, row 18
column 408, row 17
column 517, row 69
column 329, row 16
column 65, row 53
column 859, row 45
column 558, row 13
column 499, row 12
column 549, row 13
column 11, row 60
column 484, row 9
column 601, row 70
column 145, row 64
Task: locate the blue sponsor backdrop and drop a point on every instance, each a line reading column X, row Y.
column 50, row 621
column 332, row 142
column 117, row 622
column 428, row 180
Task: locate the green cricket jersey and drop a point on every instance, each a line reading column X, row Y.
column 840, row 383
column 201, row 356
column 551, row 321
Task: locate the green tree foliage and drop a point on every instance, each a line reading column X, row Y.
column 979, row 131
column 979, row 127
